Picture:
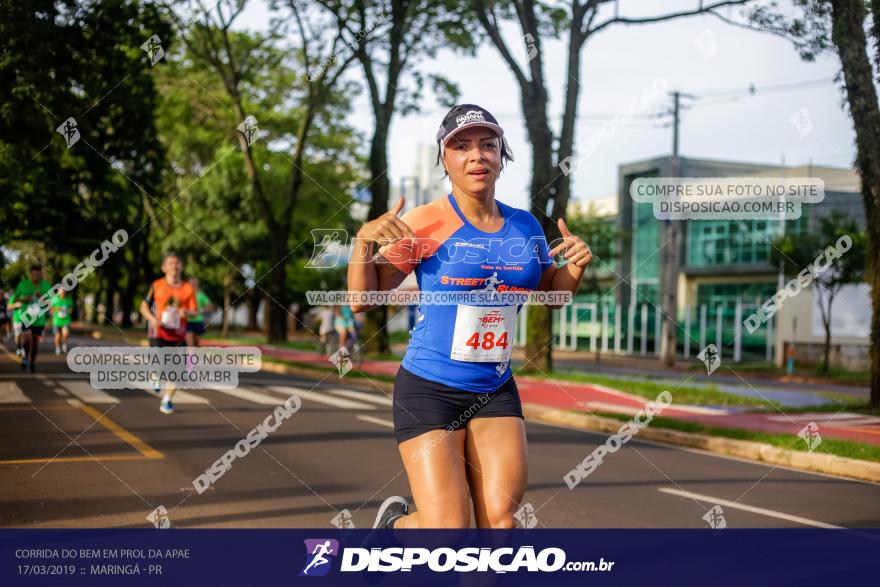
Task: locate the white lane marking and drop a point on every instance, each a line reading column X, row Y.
column 253, row 396
column 322, row 398
column 633, row 410
column 379, row 421
column 362, row 395
column 699, row 409
column 10, row 393
column 84, row 391
column 817, row 416
column 746, row 508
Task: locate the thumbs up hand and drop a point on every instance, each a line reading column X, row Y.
column 387, row 228
column 577, row 252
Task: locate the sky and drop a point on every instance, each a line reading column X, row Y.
column 697, row 55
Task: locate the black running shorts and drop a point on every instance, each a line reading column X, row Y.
column 421, row 405
column 162, row 343
column 197, row 327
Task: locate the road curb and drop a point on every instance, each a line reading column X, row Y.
column 756, row 451
column 747, row 449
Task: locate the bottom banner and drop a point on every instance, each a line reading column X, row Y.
column 436, row 557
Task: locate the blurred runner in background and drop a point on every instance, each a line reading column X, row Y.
column 28, row 294
column 168, row 303
column 62, row 315
column 195, row 325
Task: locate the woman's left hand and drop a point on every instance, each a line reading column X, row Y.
column 577, row 252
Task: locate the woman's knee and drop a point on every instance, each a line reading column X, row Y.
column 500, row 515
column 452, row 517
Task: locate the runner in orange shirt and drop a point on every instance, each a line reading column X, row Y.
column 169, row 301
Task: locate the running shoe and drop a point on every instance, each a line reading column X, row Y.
column 57, row 350
column 391, row 509
column 166, row 407
column 381, row 535
column 64, row 347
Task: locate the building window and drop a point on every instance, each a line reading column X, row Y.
column 726, row 294
column 713, row 243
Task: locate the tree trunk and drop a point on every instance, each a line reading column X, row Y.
column 848, row 35
column 275, row 312
column 110, row 293
column 826, row 360
column 226, row 301
column 254, row 299
column 539, row 350
column 132, row 283
column 539, row 341
column 95, row 318
column 375, row 329
column 126, row 303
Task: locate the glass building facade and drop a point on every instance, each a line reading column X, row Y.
column 713, row 243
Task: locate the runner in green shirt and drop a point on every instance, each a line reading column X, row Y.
column 15, row 307
column 62, row 315
column 195, row 326
column 33, row 319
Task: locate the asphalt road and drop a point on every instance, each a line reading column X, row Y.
column 70, row 457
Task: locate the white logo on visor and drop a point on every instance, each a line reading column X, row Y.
column 470, row 116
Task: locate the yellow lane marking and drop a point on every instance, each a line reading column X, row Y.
column 15, row 358
column 139, row 445
column 146, row 451
column 82, row 459
column 32, row 409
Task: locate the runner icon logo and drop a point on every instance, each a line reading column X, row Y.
column 153, row 48
column 715, row 518
column 711, row 358
column 250, row 129
column 319, row 556
column 525, row 516
column 810, row 434
column 159, row 518
column 341, row 359
column 343, row 520
column 69, row 131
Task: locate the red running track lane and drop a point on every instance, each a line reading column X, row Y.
column 576, row 396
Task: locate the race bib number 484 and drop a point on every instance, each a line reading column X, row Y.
column 483, row 334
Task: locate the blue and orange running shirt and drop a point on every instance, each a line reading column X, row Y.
column 467, row 347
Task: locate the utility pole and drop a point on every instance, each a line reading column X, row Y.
column 669, row 267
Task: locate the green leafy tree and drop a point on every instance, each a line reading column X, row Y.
column 841, row 27
column 255, row 74
column 797, row 252
column 553, row 152
column 216, row 220
column 389, row 38
column 79, row 60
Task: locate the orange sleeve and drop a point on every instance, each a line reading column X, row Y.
column 432, row 223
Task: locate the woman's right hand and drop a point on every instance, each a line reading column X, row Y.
column 387, row 228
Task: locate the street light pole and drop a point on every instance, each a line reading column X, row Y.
column 670, row 256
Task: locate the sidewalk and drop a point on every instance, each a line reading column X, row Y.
column 601, row 399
